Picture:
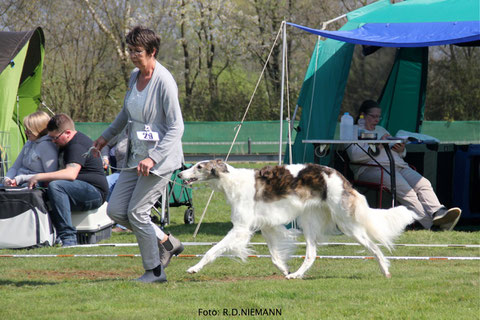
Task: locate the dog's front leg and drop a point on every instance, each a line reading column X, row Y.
column 236, row 240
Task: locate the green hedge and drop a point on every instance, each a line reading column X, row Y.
column 263, row 136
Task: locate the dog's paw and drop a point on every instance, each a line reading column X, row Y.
column 294, row 276
column 193, row 270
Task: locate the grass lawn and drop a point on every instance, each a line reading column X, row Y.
column 101, row 287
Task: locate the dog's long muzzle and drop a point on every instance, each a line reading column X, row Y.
column 186, row 181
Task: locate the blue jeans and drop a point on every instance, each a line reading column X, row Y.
column 66, row 196
column 112, row 181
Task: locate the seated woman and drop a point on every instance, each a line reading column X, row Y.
column 413, row 190
column 39, row 154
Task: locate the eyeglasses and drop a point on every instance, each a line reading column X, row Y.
column 374, row 116
column 58, row 137
column 135, row 52
column 28, row 131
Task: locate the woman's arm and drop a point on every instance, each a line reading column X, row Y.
column 173, row 121
column 12, row 172
column 48, row 154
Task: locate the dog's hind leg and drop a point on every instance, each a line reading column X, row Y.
column 310, row 254
column 364, row 240
column 236, row 241
column 281, row 244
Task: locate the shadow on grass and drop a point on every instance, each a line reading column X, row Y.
column 334, row 277
column 211, row 228
column 22, row 283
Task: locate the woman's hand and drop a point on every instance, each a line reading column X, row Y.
column 385, row 136
column 144, row 166
column 10, row 182
column 32, row 182
column 398, row 147
column 99, row 144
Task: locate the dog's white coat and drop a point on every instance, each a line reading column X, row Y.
column 346, row 209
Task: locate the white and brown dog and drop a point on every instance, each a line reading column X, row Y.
column 319, row 197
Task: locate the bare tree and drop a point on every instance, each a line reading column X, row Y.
column 207, row 52
column 114, row 22
column 216, row 51
column 80, row 77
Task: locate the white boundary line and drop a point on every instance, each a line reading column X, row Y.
column 227, row 256
column 297, row 243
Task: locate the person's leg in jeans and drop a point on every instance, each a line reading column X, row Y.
column 112, row 181
column 65, row 196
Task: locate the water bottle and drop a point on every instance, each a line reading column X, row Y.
column 361, row 125
column 346, row 127
column 361, row 121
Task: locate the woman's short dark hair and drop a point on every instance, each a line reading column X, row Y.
column 365, row 107
column 143, row 37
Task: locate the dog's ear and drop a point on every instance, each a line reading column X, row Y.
column 218, row 167
column 266, row 172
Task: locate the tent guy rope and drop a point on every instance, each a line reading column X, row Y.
column 239, row 126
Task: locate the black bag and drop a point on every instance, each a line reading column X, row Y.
column 24, row 219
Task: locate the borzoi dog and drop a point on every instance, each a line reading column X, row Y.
column 319, row 197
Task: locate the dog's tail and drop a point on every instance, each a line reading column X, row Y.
column 383, row 225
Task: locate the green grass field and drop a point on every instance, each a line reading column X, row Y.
column 101, row 287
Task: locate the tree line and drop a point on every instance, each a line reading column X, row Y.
column 216, row 50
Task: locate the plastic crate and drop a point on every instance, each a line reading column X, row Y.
column 86, row 237
column 92, row 225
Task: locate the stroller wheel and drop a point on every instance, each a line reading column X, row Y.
column 189, row 217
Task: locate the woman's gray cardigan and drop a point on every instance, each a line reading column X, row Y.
column 162, row 113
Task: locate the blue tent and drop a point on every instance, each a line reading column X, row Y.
column 404, row 35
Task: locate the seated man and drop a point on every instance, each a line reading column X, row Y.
column 79, row 184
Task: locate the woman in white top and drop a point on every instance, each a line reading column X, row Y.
column 151, row 113
column 413, row 190
column 39, row 154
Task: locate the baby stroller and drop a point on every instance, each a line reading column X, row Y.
column 177, row 195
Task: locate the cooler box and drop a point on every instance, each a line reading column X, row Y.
column 24, row 219
column 92, row 225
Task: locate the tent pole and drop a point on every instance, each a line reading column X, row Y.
column 282, row 91
column 326, row 23
column 289, row 119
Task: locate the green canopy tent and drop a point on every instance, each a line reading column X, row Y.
column 21, row 65
column 403, row 96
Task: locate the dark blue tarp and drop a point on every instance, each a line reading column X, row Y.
column 419, row 34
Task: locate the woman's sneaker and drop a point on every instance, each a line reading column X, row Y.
column 171, row 247
column 447, row 219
